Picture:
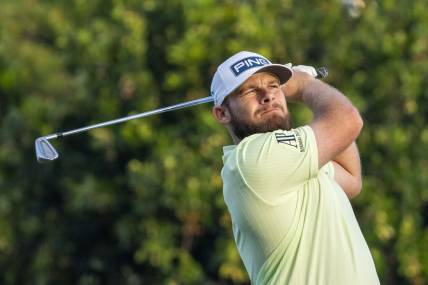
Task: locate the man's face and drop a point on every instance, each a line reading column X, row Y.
column 258, row 106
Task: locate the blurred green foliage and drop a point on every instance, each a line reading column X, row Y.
column 141, row 203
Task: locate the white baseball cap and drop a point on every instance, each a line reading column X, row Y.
column 233, row 72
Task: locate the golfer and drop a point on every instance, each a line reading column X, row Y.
column 287, row 188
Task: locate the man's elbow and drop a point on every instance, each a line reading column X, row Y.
column 354, row 122
column 355, row 189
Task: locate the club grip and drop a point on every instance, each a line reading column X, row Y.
column 322, row 72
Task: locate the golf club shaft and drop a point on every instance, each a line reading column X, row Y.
column 132, row 117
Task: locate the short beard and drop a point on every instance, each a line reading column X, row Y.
column 243, row 128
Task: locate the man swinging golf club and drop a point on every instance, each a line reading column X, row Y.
column 287, row 188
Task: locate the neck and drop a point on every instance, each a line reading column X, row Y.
column 235, row 139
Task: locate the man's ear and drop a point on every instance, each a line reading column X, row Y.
column 221, row 114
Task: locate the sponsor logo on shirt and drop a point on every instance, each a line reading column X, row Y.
column 293, row 139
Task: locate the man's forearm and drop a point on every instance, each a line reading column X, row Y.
column 347, row 172
column 349, row 159
column 317, row 95
column 324, row 99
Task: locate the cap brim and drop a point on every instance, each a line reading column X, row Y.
column 284, row 73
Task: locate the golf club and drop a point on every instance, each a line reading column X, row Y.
column 45, row 152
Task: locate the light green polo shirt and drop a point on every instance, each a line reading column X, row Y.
column 292, row 222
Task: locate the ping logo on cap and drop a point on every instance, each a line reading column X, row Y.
column 247, row 63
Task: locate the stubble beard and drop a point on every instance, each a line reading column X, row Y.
column 243, row 128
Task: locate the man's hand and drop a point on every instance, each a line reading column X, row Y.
column 293, row 87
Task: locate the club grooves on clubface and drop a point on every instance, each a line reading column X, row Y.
column 45, row 152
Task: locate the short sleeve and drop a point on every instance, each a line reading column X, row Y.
column 276, row 162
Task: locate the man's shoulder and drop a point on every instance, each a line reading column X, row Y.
column 295, row 139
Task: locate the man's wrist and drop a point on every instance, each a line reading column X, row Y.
column 295, row 87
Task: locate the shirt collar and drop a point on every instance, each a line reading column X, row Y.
column 228, row 148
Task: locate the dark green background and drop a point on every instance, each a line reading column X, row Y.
column 141, row 203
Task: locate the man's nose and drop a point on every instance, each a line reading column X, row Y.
column 265, row 95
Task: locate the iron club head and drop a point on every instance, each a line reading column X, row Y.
column 44, row 150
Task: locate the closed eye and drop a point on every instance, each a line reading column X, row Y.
column 274, row 84
column 248, row 91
